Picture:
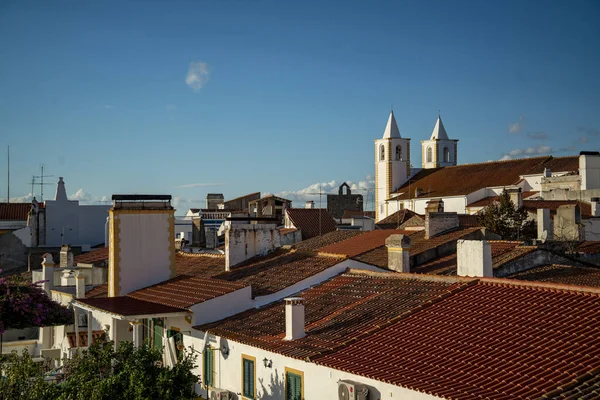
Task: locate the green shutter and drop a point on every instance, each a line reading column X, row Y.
column 208, row 367
column 158, row 332
column 294, row 386
column 248, row 378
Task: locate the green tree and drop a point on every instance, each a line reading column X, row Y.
column 503, row 218
column 101, row 373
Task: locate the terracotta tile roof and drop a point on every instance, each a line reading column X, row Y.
column 589, row 247
column 83, row 336
column 565, row 274
column 97, row 292
column 14, row 211
column 468, row 221
column 127, row 306
column 285, row 231
column 205, row 265
column 276, row 272
column 533, row 205
column 361, row 244
column 309, row 222
column 464, row 179
column 352, row 213
column 396, row 219
column 419, row 244
column 488, row 340
column 97, row 256
column 337, row 311
column 317, row 242
column 185, row 291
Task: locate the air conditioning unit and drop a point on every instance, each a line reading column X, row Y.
column 220, row 394
column 348, row 390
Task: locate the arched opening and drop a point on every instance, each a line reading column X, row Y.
column 381, row 153
column 446, row 155
column 398, row 153
column 429, row 155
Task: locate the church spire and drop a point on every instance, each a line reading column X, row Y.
column 61, row 193
column 438, row 131
column 391, row 129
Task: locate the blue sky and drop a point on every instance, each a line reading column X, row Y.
column 232, row 96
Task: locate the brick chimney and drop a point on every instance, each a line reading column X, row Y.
column 294, row 318
column 398, row 252
column 474, row 258
column 48, row 272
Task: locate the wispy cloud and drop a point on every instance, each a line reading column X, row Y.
column 538, row 136
column 516, row 127
column 587, row 134
column 527, row 152
column 194, row 185
column 85, row 197
column 197, row 75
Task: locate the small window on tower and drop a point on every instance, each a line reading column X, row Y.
column 446, row 155
column 429, row 155
column 381, row 153
column 398, row 153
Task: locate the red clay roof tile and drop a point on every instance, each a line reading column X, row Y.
column 565, row 274
column 127, row 306
column 314, row 244
column 96, row 256
column 362, row 243
column 14, row 211
column 311, row 221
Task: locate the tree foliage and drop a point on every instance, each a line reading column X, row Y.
column 101, row 373
column 24, row 304
column 506, row 220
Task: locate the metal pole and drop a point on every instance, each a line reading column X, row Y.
column 8, row 190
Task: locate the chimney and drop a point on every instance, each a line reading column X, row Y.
column 547, row 173
column 436, row 206
column 294, row 318
column 595, row 206
column 66, row 256
column 80, row 285
column 398, row 253
column 309, row 204
column 516, row 196
column 474, row 258
column 142, row 242
column 440, row 222
column 544, row 223
column 48, row 272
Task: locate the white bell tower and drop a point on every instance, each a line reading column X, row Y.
column 392, row 165
column 439, row 150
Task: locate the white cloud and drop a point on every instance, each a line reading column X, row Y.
column 194, row 185
column 197, row 75
column 538, row 136
column 516, row 127
column 311, row 192
column 85, row 197
column 20, row 199
column 527, row 152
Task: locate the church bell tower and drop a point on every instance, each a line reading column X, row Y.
column 439, row 150
column 392, row 165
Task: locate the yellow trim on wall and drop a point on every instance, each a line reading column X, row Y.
column 253, row 359
column 114, row 254
column 297, row 372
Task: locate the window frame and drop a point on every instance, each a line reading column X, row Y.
column 294, row 372
column 429, row 154
column 246, row 357
column 446, row 154
column 398, row 153
column 381, row 152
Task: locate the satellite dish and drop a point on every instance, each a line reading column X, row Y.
column 544, row 236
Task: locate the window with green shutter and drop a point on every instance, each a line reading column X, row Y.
column 293, row 384
column 209, row 366
column 248, row 376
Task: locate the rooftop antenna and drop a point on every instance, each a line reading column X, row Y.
column 41, row 177
column 8, row 180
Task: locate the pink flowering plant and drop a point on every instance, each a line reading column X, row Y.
column 24, row 304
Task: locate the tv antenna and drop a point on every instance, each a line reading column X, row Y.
column 41, row 183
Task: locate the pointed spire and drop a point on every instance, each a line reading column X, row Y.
column 391, row 129
column 438, row 131
column 61, row 193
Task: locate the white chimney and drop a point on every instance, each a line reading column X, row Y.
column 474, row 258
column 544, row 224
column 310, row 204
column 48, row 272
column 80, row 286
column 398, row 253
column 66, row 256
column 595, row 206
column 294, row 318
column 547, row 173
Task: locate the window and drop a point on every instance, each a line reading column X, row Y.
column 208, row 358
column 398, row 153
column 429, row 154
column 248, row 376
column 446, row 154
column 381, row 153
column 294, row 388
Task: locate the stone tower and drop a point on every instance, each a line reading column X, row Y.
column 392, row 165
column 439, row 150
